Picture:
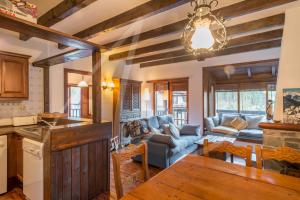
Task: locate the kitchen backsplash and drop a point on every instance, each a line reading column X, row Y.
column 33, row 105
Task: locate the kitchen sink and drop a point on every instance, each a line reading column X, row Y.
column 32, row 130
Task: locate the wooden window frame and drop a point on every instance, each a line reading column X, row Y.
column 238, row 94
column 169, row 83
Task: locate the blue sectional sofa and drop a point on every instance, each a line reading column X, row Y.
column 163, row 148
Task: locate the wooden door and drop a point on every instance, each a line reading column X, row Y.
column 85, row 103
column 14, row 77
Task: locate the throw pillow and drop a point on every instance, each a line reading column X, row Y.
column 209, row 123
column 134, row 128
column 227, row 119
column 216, row 120
column 165, row 119
column 144, row 127
column 253, row 121
column 239, row 123
column 190, row 130
column 174, row 131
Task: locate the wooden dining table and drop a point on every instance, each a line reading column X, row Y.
column 195, row 177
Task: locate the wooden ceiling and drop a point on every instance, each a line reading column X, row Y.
column 257, row 37
column 265, row 70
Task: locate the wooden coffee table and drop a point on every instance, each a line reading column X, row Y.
column 215, row 138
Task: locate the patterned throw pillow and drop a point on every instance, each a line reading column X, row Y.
column 134, row 128
column 239, row 123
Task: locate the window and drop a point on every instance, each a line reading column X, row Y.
column 179, row 107
column 161, row 99
column 75, row 101
column 226, row 101
column 253, row 102
column 244, row 98
column 171, row 97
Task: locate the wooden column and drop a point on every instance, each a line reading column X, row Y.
column 96, row 86
column 46, row 89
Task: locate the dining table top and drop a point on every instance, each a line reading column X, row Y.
column 196, row 177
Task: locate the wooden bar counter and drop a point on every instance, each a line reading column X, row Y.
column 77, row 161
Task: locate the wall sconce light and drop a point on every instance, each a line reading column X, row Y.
column 107, row 85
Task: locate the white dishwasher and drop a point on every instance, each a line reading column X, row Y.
column 33, row 181
column 3, row 164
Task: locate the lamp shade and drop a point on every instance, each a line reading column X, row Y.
column 146, row 94
column 83, row 83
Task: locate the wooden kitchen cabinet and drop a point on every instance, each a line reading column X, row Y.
column 14, row 76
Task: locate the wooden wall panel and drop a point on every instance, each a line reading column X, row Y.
column 80, row 170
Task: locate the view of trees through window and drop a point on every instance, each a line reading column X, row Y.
column 227, row 101
column 247, row 101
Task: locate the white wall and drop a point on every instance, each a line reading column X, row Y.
column 289, row 67
column 38, row 49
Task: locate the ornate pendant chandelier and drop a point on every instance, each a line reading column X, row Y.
column 204, row 32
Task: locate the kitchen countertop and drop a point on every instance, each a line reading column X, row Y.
column 5, row 130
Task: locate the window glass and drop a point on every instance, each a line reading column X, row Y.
column 75, row 102
column 226, row 101
column 179, row 105
column 161, row 98
column 253, row 102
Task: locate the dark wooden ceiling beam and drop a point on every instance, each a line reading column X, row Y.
column 39, row 31
column 228, row 51
column 255, row 38
column 145, row 10
column 254, row 64
column 63, row 10
column 63, row 58
column 231, row 11
column 268, row 22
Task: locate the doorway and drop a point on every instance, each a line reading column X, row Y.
column 78, row 93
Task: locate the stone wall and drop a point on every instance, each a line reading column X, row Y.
column 281, row 138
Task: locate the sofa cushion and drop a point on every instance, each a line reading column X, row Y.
column 251, row 133
column 155, row 130
column 190, row 130
column 164, row 119
column 190, row 140
column 164, row 139
column 253, row 121
column 180, row 146
column 227, row 119
column 225, row 130
column 239, row 123
column 209, row 123
column 153, row 122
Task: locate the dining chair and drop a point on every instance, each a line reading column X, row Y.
column 123, row 157
column 227, row 147
column 279, row 154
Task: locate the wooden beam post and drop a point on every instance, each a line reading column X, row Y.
column 46, row 89
column 96, row 86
